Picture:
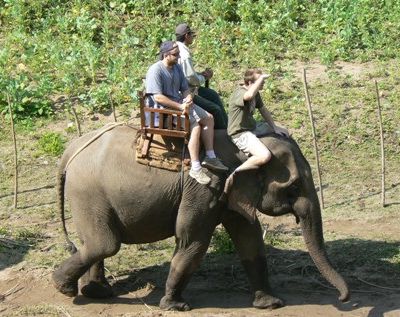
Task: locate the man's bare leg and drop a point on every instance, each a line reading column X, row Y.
column 194, row 143
column 194, row 147
column 258, row 159
column 207, row 132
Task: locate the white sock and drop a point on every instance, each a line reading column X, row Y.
column 211, row 154
column 196, row 166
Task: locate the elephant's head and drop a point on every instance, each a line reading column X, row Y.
column 285, row 185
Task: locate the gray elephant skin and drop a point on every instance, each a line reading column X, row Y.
column 115, row 200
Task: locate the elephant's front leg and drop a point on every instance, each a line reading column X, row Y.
column 194, row 227
column 247, row 239
column 185, row 261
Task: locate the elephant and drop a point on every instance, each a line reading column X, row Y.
column 115, row 200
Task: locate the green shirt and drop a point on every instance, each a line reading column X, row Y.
column 240, row 114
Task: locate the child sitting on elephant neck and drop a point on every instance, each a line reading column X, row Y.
column 243, row 129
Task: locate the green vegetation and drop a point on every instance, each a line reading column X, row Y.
column 91, row 51
column 221, row 243
column 51, row 143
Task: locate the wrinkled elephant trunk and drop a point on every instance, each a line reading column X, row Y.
column 311, row 225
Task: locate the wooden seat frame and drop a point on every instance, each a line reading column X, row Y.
column 180, row 130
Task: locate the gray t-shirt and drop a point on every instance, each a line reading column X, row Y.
column 168, row 82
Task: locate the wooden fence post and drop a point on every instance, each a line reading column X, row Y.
column 383, row 167
column 112, row 107
column 78, row 125
column 15, row 153
column 314, row 137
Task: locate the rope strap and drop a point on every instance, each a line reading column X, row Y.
column 108, row 127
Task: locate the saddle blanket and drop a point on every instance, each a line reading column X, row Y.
column 161, row 152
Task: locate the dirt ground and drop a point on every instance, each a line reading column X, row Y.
column 219, row 290
column 353, row 227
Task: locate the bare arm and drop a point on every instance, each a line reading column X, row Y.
column 267, row 117
column 254, row 88
column 166, row 102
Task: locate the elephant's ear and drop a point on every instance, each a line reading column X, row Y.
column 244, row 195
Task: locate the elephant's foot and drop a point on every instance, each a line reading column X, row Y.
column 95, row 289
column 169, row 303
column 265, row 301
column 64, row 286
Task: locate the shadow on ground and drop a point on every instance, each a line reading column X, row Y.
column 220, row 282
column 12, row 251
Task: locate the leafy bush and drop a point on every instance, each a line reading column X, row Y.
column 76, row 48
column 51, row 143
column 221, row 242
column 28, row 98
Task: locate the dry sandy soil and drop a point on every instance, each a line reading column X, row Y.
column 219, row 289
column 354, row 227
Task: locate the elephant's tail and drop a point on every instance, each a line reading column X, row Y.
column 60, row 191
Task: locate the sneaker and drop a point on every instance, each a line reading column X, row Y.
column 214, row 164
column 200, row 176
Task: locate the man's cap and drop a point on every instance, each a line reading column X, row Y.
column 183, row 29
column 167, row 46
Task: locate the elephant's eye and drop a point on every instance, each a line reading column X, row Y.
column 293, row 189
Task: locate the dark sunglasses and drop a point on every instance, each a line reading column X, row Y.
column 176, row 54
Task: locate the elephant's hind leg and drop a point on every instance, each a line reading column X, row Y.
column 94, row 283
column 66, row 277
column 100, row 240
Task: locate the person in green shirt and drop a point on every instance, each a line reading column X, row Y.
column 243, row 129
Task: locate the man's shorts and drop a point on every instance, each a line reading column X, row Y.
column 250, row 144
column 196, row 113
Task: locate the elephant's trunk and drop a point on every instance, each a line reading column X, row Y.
column 311, row 225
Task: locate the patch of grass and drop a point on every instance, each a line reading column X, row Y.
column 27, row 233
column 39, row 310
column 51, row 143
column 283, row 238
column 221, row 243
column 131, row 257
column 4, row 231
column 366, row 255
column 50, row 258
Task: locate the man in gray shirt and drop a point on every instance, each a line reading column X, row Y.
column 168, row 87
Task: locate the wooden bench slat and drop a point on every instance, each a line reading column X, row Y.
column 161, row 120
column 170, row 123
column 165, row 111
column 166, row 132
column 152, row 117
column 178, row 123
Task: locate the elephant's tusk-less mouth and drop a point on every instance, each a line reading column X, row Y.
column 278, row 210
column 282, row 209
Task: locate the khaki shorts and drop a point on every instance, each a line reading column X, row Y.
column 250, row 144
column 196, row 113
